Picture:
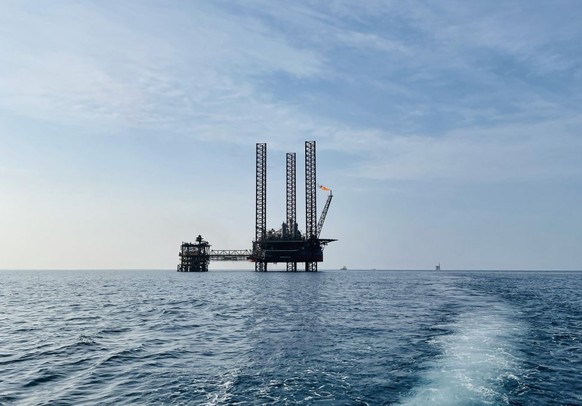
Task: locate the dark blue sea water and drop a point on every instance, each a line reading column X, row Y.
column 347, row 338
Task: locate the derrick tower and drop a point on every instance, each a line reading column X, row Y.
column 311, row 205
column 291, row 202
column 260, row 206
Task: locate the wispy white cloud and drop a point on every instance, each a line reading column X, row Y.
column 511, row 153
column 372, row 41
column 201, row 68
column 7, row 170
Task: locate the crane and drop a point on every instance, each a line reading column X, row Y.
column 325, row 209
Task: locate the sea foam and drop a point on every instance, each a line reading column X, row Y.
column 478, row 360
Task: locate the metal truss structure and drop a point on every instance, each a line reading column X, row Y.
column 324, row 214
column 230, row 255
column 260, row 205
column 291, row 202
column 310, row 199
column 310, row 189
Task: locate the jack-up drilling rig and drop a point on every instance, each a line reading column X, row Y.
column 287, row 244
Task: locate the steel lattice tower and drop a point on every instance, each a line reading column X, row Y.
column 291, row 202
column 261, row 204
column 310, row 198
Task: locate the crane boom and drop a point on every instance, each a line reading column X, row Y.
column 323, row 214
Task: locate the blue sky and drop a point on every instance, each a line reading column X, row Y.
column 448, row 130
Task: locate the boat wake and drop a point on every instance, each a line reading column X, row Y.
column 479, row 361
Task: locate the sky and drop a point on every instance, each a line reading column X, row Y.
column 449, row 131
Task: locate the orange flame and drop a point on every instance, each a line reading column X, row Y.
column 324, row 188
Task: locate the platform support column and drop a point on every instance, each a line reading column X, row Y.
column 310, row 190
column 260, row 266
column 311, row 267
column 260, row 205
column 291, row 202
column 310, row 199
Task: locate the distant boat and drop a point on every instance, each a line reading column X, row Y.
column 343, row 268
column 438, row 267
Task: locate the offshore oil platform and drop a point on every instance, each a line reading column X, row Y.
column 287, row 244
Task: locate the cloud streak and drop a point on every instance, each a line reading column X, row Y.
column 134, row 77
column 511, row 157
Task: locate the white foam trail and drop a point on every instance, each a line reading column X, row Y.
column 225, row 384
column 477, row 359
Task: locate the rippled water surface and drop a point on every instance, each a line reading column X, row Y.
column 357, row 337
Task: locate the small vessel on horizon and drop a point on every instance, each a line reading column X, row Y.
column 438, row 267
column 343, row 268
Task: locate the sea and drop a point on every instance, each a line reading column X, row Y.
column 117, row 337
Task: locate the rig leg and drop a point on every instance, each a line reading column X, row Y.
column 260, row 266
column 311, row 267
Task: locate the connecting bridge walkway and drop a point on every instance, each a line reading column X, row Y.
column 230, row 255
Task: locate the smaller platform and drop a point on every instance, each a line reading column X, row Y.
column 194, row 257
